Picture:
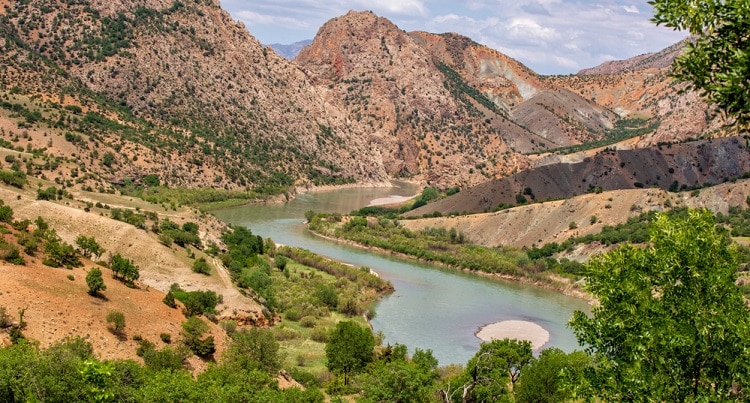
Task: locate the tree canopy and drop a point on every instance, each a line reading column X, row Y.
column 349, row 349
column 671, row 324
column 718, row 62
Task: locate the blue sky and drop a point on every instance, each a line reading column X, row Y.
column 550, row 36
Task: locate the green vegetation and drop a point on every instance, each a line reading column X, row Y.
column 124, row 269
column 432, row 245
column 95, row 281
column 624, row 129
column 460, row 89
column 69, row 372
column 349, row 349
column 671, row 325
column 196, row 302
column 116, row 321
column 716, row 63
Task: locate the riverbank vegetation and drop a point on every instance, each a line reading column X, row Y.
column 441, row 246
column 684, row 283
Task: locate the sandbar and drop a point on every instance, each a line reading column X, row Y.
column 389, row 200
column 515, row 329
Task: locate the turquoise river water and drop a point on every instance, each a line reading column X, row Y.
column 432, row 308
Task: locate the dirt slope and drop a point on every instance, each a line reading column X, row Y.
column 550, row 222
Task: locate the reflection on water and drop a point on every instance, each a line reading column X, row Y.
column 433, row 308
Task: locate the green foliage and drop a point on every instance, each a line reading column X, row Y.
column 430, row 244
column 192, row 332
column 196, row 302
column 60, row 253
column 169, row 300
column 47, row 194
column 124, row 269
column 494, row 366
column 254, row 349
column 349, row 349
column 95, row 281
column 14, row 178
column 671, row 324
column 116, row 321
column 553, row 377
column 716, row 64
column 201, row 266
column 395, row 379
column 89, row 247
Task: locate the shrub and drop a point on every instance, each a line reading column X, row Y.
column 308, row 322
column 116, row 321
column 201, row 266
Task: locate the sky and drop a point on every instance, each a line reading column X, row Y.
column 549, row 36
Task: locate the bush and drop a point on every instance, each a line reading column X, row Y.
column 201, row 266
column 319, row 334
column 308, row 322
column 116, row 321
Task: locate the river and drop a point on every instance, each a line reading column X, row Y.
column 432, row 308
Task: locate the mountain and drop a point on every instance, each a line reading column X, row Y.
column 181, row 91
column 176, row 89
column 642, row 88
column 290, row 51
column 442, row 105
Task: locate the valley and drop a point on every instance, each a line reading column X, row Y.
column 237, row 198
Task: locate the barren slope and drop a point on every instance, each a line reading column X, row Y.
column 541, row 223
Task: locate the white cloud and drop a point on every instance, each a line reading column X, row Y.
column 398, row 7
column 526, row 29
column 550, row 36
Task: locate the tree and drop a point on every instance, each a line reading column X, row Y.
column 718, row 62
column 397, row 381
column 124, row 269
column 254, row 349
column 201, row 266
column 192, row 331
column 671, row 324
column 553, row 377
column 89, row 247
column 116, row 321
column 95, row 281
column 496, row 366
column 349, row 349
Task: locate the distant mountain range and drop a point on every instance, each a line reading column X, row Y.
column 290, row 51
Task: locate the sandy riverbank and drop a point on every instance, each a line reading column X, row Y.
column 515, row 329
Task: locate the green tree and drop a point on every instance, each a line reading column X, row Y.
column 718, row 62
column 554, row 376
column 254, row 349
column 116, row 321
column 193, row 330
column 89, row 247
column 124, row 269
column 349, row 349
column 201, row 266
column 671, row 324
column 397, row 381
column 491, row 374
column 95, row 281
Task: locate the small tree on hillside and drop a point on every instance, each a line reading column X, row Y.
column 349, row 349
column 89, row 247
column 116, row 321
column 124, row 269
column 95, row 281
